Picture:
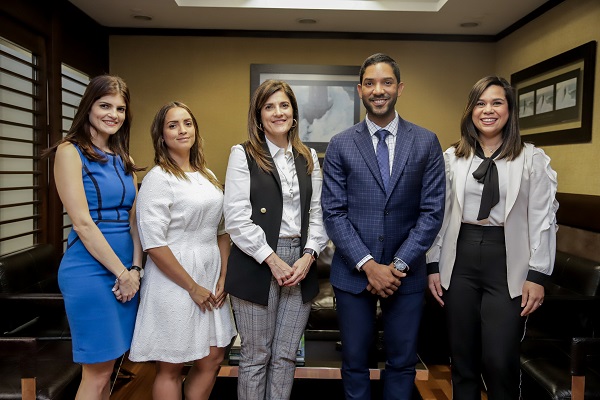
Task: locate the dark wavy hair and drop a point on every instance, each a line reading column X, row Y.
column 512, row 144
column 256, row 137
column 80, row 132
column 162, row 157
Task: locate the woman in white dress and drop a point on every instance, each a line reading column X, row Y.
column 183, row 315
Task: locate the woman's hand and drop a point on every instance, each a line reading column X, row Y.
column 300, row 270
column 203, row 297
column 279, row 268
column 220, row 294
column 533, row 297
column 436, row 287
column 126, row 286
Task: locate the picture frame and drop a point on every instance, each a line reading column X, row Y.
column 556, row 97
column 327, row 97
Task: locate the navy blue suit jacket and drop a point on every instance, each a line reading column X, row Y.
column 361, row 218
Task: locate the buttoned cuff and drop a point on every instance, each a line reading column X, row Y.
column 262, row 254
column 363, row 261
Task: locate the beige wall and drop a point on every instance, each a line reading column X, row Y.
column 566, row 26
column 212, row 76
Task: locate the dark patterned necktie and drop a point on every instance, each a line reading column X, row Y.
column 383, row 157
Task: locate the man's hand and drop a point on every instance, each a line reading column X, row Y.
column 384, row 280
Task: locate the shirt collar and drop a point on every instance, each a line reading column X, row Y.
column 392, row 127
column 274, row 149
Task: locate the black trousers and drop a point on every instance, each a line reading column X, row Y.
column 484, row 323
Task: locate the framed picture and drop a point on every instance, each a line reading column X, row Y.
column 328, row 101
column 556, row 97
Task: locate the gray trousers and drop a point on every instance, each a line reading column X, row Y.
column 270, row 336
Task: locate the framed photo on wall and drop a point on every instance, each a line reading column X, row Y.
column 556, row 97
column 327, row 98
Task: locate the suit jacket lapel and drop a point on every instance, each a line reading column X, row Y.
column 364, row 143
column 404, row 144
column 461, row 175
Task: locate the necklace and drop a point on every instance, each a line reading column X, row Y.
column 490, row 150
column 288, row 182
column 195, row 175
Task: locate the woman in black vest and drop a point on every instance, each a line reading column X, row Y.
column 273, row 213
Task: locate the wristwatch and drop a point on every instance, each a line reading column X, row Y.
column 138, row 269
column 400, row 265
column 311, row 252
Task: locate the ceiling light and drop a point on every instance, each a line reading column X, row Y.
column 307, row 21
column 469, row 24
column 141, row 17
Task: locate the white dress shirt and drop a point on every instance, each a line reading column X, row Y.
column 249, row 237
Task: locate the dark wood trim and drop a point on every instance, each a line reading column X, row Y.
column 299, row 35
column 547, row 6
column 579, row 211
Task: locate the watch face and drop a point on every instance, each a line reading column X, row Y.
column 139, row 270
column 400, row 266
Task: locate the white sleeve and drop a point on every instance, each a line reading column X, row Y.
column 541, row 214
column 317, row 237
column 153, row 209
column 247, row 236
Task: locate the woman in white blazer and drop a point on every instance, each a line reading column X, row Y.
column 497, row 243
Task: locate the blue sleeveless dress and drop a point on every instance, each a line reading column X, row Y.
column 101, row 326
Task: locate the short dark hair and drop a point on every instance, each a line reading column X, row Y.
column 380, row 58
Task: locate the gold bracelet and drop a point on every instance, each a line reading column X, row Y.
column 122, row 272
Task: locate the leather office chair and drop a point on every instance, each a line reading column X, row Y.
column 24, row 350
column 581, row 349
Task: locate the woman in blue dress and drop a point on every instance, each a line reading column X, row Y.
column 99, row 275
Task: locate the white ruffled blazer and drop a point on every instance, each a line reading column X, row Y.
column 530, row 216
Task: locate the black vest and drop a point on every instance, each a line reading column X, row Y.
column 247, row 279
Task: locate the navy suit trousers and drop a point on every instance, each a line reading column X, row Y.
column 401, row 319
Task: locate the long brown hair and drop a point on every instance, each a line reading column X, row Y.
column 162, row 157
column 512, row 144
column 256, row 136
column 80, row 132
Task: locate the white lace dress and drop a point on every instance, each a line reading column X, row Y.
column 187, row 217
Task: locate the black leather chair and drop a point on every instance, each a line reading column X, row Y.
column 34, row 332
column 582, row 350
column 571, row 309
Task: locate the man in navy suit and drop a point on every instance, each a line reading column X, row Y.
column 383, row 205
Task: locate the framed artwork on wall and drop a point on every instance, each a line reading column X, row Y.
column 327, row 98
column 556, row 97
